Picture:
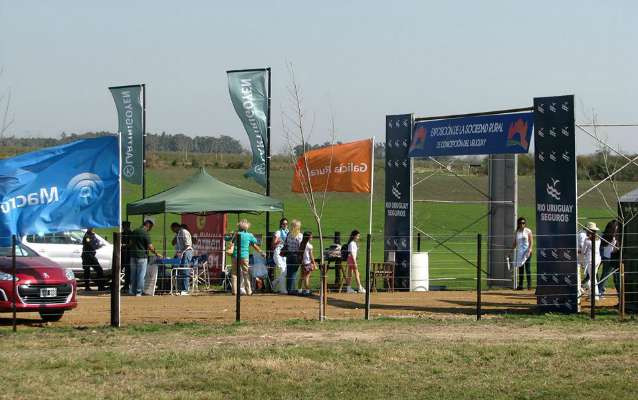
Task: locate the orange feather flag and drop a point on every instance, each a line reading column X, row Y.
column 338, row 168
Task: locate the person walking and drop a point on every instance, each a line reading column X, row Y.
column 248, row 240
column 307, row 262
column 90, row 244
column 353, row 268
column 580, row 243
column 279, row 284
column 139, row 247
column 291, row 251
column 592, row 243
column 183, row 242
column 610, row 256
column 522, row 247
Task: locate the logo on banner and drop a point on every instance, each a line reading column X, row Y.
column 201, row 222
column 418, row 142
column 395, row 190
column 88, row 188
column 517, row 134
column 128, row 171
column 552, row 189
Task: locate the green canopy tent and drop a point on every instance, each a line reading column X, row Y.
column 203, row 194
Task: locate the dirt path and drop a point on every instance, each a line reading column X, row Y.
column 95, row 310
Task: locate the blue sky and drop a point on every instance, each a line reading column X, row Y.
column 355, row 60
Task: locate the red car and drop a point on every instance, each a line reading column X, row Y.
column 43, row 286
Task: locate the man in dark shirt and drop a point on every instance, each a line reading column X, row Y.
column 90, row 244
column 125, row 256
column 139, row 246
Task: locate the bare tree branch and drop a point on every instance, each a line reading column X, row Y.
column 6, row 120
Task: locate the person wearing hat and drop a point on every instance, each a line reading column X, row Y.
column 139, row 246
column 592, row 237
column 90, row 244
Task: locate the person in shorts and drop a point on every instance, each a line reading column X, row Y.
column 307, row 262
column 248, row 240
column 353, row 268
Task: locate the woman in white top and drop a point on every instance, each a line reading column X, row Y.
column 279, row 284
column 353, row 268
column 592, row 231
column 307, row 262
column 293, row 258
column 522, row 246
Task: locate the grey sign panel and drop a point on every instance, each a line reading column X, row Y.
column 503, row 191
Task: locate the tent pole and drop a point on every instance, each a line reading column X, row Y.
column 268, row 240
column 164, row 240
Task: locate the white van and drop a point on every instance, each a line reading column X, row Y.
column 65, row 248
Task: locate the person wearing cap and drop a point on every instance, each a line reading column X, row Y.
column 139, row 247
column 90, row 244
column 592, row 237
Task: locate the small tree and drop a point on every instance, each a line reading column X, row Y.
column 5, row 105
column 297, row 135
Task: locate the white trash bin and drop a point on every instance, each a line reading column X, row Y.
column 419, row 272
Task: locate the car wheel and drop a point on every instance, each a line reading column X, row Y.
column 51, row 316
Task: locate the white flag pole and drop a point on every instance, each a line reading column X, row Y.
column 371, row 188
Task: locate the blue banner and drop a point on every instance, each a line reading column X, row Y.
column 72, row 186
column 488, row 134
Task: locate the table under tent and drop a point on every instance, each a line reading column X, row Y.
column 202, row 194
column 628, row 212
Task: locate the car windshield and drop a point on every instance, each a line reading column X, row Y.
column 76, row 236
column 21, row 251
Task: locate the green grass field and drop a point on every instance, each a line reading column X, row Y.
column 345, row 212
column 546, row 357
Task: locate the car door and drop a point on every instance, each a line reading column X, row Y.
column 105, row 253
column 60, row 248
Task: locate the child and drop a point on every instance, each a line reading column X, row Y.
column 353, row 268
column 307, row 262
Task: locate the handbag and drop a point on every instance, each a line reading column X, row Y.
column 231, row 246
column 284, row 250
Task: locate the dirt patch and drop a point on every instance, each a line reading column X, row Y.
column 211, row 308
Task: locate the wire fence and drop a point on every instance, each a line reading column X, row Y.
column 371, row 282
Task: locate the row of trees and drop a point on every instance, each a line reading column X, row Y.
column 154, row 142
column 596, row 166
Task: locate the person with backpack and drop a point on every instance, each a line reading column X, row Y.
column 349, row 253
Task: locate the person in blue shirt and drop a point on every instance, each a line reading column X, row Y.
column 248, row 240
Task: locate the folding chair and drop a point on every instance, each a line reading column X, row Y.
column 385, row 271
column 259, row 269
column 200, row 271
